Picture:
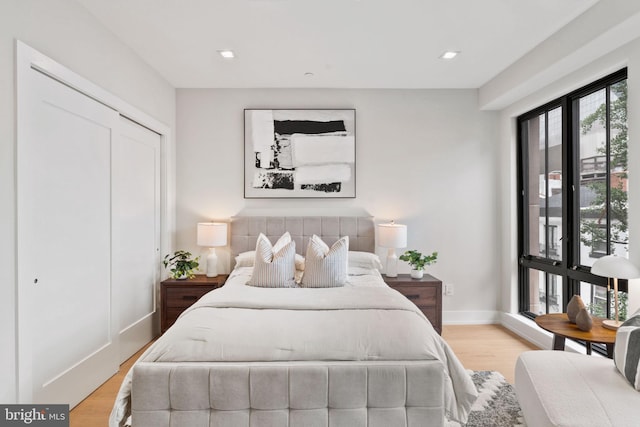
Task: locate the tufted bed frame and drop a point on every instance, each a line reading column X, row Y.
column 291, row 394
column 245, row 231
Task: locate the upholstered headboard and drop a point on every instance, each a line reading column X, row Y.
column 245, row 231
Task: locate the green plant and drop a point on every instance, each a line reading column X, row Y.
column 417, row 261
column 181, row 264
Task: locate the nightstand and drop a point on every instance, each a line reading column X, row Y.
column 426, row 293
column 177, row 295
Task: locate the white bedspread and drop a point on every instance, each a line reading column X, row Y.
column 365, row 320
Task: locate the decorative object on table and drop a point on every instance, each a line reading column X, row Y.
column 417, row 261
column 614, row 267
column 497, row 404
column 181, row 264
column 392, row 236
column 574, row 306
column 212, row 234
column 584, row 322
column 299, row 153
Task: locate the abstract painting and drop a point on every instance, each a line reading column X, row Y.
column 299, row 153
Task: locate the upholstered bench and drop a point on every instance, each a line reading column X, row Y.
column 295, row 394
column 558, row 388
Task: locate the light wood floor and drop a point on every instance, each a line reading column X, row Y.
column 487, row 347
column 479, row 347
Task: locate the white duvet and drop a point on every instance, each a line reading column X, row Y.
column 364, row 320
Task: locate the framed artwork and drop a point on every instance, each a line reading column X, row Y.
column 299, row 153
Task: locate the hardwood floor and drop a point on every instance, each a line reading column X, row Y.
column 487, row 347
column 479, row 347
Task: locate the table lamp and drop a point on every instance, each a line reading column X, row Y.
column 614, row 267
column 392, row 236
column 212, row 234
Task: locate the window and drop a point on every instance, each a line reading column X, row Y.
column 572, row 156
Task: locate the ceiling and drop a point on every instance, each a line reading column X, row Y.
column 343, row 43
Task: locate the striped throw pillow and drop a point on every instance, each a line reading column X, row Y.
column 626, row 353
column 274, row 266
column 325, row 267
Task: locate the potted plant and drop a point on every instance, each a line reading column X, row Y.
column 417, row 261
column 181, row 264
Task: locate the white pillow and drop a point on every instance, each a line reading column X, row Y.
column 247, row 259
column 274, row 266
column 364, row 260
column 626, row 352
column 325, row 267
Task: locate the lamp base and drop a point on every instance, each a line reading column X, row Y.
column 392, row 263
column 212, row 263
column 611, row 324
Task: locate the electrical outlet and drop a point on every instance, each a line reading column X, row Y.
column 448, row 289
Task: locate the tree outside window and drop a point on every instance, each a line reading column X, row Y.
column 604, row 222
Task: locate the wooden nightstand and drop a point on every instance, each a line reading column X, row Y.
column 178, row 295
column 426, row 293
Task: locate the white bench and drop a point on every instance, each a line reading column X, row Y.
column 558, row 388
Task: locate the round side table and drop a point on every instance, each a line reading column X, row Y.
column 558, row 324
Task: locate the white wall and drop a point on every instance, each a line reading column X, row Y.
column 67, row 33
column 426, row 158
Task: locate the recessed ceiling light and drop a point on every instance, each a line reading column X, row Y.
column 450, row 54
column 227, row 54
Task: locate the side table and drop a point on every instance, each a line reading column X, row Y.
column 178, row 295
column 426, row 293
column 558, row 324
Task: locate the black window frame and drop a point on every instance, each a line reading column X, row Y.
column 568, row 268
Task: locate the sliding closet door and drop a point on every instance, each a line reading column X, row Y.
column 67, row 325
column 136, row 233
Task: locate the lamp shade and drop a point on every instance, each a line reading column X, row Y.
column 392, row 235
column 211, row 234
column 615, row 267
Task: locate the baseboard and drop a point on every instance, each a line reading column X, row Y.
column 527, row 329
column 470, row 317
column 136, row 336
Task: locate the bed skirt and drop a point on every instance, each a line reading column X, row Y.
column 293, row 394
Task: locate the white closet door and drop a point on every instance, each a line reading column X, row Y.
column 67, row 327
column 136, row 233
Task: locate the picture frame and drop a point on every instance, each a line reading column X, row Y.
column 299, row 153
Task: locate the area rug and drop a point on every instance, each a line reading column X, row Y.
column 496, row 406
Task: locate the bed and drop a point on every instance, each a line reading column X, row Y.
column 354, row 355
